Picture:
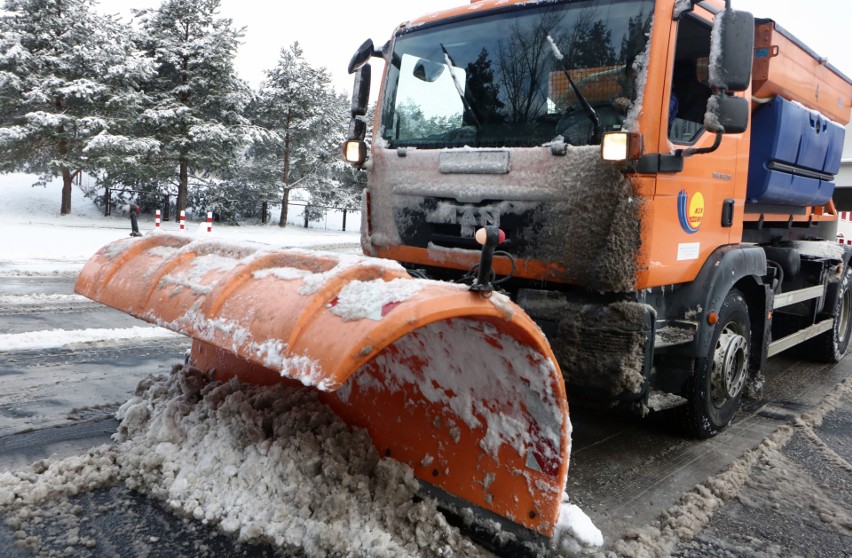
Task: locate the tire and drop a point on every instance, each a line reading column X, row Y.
column 717, row 384
column 831, row 345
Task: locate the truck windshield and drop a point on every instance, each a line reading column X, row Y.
column 494, row 80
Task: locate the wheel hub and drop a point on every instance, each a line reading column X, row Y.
column 730, row 366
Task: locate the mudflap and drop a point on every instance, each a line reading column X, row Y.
column 464, row 389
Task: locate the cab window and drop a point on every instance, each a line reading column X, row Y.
column 690, row 91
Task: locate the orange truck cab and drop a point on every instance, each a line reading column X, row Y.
column 661, row 171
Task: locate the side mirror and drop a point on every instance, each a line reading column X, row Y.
column 361, row 91
column 726, row 114
column 428, row 71
column 731, row 51
column 362, row 55
column 355, row 148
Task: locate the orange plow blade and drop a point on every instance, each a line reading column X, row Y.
column 463, row 389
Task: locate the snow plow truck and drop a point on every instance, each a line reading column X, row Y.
column 631, row 198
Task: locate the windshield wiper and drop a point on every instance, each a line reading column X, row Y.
column 593, row 116
column 460, row 90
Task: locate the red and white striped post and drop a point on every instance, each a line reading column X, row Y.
column 182, row 219
column 210, row 221
column 157, row 219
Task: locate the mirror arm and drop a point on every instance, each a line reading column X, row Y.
column 678, row 11
column 691, row 7
column 700, row 150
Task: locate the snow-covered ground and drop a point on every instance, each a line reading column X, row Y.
column 220, row 454
column 35, row 238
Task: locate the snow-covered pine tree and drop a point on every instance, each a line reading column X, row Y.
column 342, row 183
column 297, row 103
column 68, row 80
column 198, row 100
column 236, row 194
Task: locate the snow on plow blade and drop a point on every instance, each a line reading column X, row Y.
column 463, row 389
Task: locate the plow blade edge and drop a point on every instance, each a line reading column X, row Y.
column 463, row 389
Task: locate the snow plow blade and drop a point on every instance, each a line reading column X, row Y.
column 464, row 389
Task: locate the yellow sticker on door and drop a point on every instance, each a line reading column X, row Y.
column 690, row 211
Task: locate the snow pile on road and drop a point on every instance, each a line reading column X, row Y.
column 51, row 338
column 576, row 534
column 40, row 495
column 264, row 463
column 268, row 463
column 274, row 463
column 41, row 299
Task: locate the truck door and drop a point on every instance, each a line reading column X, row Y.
column 689, row 204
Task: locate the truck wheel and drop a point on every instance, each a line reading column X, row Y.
column 716, row 387
column 831, row 345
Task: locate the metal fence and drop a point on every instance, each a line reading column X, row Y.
column 334, row 218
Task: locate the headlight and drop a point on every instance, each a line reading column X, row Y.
column 355, row 152
column 621, row 146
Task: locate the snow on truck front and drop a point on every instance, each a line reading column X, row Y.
column 494, row 116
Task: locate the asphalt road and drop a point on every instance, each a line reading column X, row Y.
column 625, row 472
